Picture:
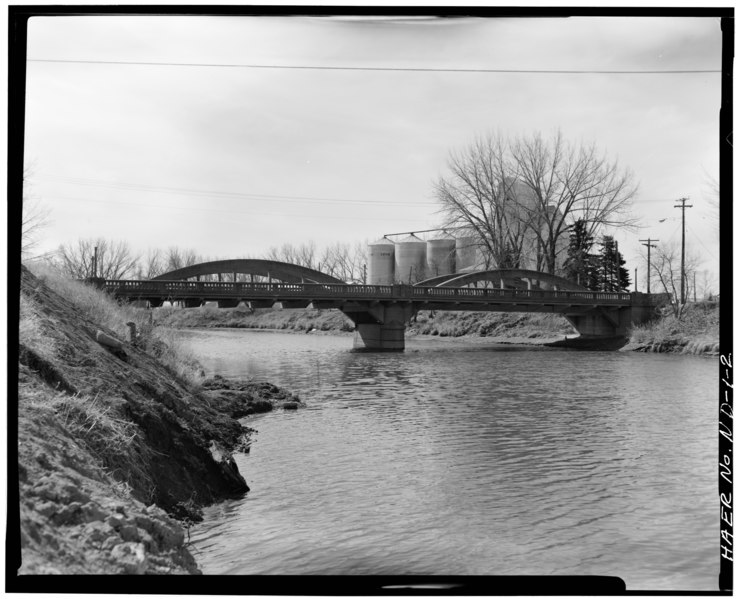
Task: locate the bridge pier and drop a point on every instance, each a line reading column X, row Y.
column 380, row 325
column 379, row 337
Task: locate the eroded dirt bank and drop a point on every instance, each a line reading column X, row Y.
column 116, row 453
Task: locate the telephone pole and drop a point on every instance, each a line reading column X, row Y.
column 683, row 246
column 649, row 245
column 616, row 257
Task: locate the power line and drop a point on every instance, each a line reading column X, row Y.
column 351, row 217
column 389, row 69
column 123, row 186
column 692, row 232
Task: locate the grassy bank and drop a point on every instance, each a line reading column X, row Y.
column 442, row 324
column 696, row 332
column 210, row 316
column 120, row 440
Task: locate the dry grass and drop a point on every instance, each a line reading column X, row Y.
column 168, row 347
column 243, row 318
column 97, row 305
column 95, row 424
column 699, row 324
column 491, row 324
column 32, row 328
column 104, row 310
column 112, row 438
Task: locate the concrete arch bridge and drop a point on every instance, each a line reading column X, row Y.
column 381, row 312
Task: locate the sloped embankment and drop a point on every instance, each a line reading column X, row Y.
column 112, row 444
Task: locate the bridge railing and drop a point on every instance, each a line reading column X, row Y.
column 243, row 290
column 538, row 294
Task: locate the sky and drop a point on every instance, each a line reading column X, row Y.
column 220, row 151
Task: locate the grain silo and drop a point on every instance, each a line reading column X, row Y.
column 381, row 262
column 441, row 256
column 466, row 253
column 410, row 260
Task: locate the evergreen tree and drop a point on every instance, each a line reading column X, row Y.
column 581, row 266
column 612, row 275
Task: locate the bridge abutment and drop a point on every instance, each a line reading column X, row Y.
column 601, row 323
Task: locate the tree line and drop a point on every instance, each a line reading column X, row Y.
column 111, row 259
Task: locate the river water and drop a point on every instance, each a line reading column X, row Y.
column 465, row 458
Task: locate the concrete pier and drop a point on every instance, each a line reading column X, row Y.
column 380, row 325
column 379, row 337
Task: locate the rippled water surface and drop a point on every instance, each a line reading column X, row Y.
column 463, row 458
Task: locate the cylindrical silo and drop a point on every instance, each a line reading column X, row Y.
column 410, row 256
column 441, row 256
column 466, row 254
column 381, row 262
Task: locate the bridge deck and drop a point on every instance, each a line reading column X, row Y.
column 243, row 291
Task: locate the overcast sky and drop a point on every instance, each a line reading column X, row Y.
column 232, row 160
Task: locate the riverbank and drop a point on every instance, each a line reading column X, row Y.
column 496, row 326
column 697, row 332
column 121, row 441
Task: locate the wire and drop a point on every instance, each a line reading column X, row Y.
column 210, row 210
column 692, row 232
column 390, row 69
column 209, row 193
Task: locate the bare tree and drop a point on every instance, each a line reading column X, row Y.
column 35, row 216
column 521, row 197
column 177, row 257
column 344, row 262
column 115, row 260
column 151, row 264
column 479, row 196
column 665, row 264
column 712, row 199
column 339, row 260
column 301, row 255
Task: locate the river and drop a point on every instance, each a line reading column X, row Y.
column 467, row 458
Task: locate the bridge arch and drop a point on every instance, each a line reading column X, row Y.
column 281, row 271
column 507, row 277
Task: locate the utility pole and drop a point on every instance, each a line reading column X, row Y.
column 617, row 279
column 94, row 264
column 683, row 246
column 635, row 279
column 649, row 245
